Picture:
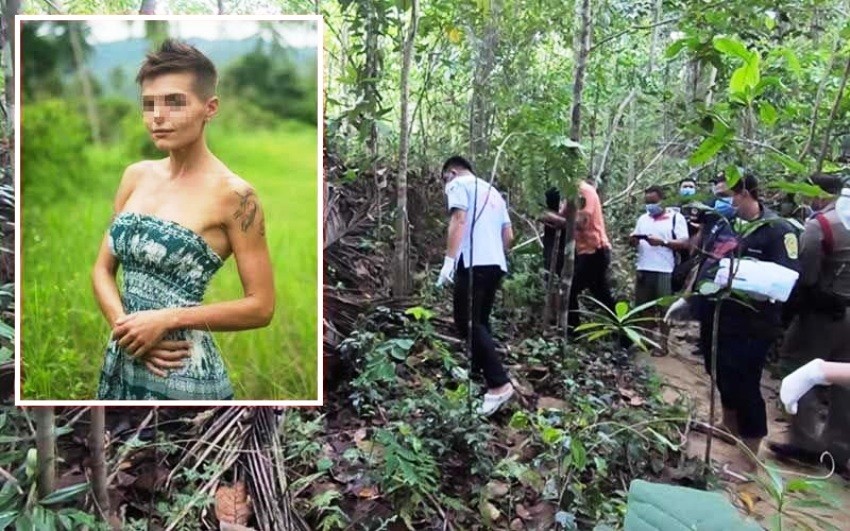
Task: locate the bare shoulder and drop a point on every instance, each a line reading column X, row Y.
column 242, row 204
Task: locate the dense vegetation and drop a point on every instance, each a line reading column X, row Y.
column 536, row 93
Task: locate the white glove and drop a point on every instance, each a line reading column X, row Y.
column 799, row 382
column 678, row 311
column 447, row 273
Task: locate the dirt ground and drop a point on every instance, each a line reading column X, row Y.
column 684, row 376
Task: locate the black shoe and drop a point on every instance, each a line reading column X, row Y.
column 791, row 451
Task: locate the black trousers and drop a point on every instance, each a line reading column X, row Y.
column 485, row 283
column 591, row 273
column 740, row 362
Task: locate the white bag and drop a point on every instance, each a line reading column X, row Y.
column 765, row 280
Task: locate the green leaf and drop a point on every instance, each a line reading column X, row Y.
column 621, row 308
column 733, row 175
column 550, row 435
column 519, row 421
column 710, row 147
column 790, row 164
column 579, row 454
column 664, row 440
column 803, row 189
column 767, row 113
column 7, row 518
column 769, row 23
column 419, row 313
column 6, row 331
column 677, row 46
column 324, row 464
column 730, row 46
column 63, row 495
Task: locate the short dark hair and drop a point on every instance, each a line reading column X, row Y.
column 830, row 183
column 688, row 180
column 174, row 56
column 655, row 190
column 456, row 161
column 748, row 182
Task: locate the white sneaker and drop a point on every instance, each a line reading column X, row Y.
column 493, row 402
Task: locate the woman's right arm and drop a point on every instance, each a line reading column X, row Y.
column 104, row 283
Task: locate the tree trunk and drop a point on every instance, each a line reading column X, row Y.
column 46, row 447
column 653, row 46
column 97, row 434
column 148, row 7
column 401, row 281
column 481, row 104
column 613, row 131
column 220, row 7
column 821, row 86
column 85, row 80
column 825, row 144
column 583, row 47
column 10, row 9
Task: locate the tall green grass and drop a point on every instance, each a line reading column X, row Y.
column 63, row 332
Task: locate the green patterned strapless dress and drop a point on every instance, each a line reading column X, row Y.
column 165, row 265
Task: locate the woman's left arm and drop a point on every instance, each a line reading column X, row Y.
column 245, row 227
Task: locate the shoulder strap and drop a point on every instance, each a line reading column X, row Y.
column 828, row 243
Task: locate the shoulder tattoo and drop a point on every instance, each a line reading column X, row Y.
column 247, row 211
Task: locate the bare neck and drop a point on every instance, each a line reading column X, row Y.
column 189, row 159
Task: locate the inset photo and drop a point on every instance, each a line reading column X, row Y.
column 168, row 210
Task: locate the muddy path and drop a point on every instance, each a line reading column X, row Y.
column 684, row 378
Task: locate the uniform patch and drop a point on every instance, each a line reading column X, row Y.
column 791, row 245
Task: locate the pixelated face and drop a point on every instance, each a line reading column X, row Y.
column 173, row 112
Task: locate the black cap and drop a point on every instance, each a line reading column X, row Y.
column 831, row 183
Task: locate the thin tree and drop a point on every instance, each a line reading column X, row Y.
column 10, row 9
column 76, row 38
column 401, row 280
column 583, row 46
column 97, row 434
column 46, row 450
column 825, row 143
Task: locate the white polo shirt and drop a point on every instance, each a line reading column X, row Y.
column 659, row 259
column 491, row 216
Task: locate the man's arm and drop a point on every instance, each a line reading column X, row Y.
column 810, row 253
column 507, row 237
column 457, row 225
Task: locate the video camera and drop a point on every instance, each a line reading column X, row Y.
column 699, row 213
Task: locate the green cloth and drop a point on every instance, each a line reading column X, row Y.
column 165, row 265
column 661, row 507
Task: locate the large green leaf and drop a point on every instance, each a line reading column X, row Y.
column 708, row 149
column 730, row 46
column 803, row 189
column 790, row 164
column 7, row 518
column 63, row 495
column 767, row 113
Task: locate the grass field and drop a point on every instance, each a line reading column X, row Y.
column 63, row 332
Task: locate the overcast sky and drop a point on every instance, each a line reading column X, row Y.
column 295, row 32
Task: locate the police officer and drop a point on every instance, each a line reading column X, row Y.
column 821, row 329
column 746, row 331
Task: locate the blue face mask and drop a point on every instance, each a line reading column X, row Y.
column 725, row 208
column 654, row 209
column 687, row 191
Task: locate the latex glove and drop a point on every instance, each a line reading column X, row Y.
column 447, row 273
column 799, row 382
column 678, row 311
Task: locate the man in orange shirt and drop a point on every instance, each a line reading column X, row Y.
column 593, row 251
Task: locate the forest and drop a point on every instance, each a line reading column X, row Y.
column 537, row 94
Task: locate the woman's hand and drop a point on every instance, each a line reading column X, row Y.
column 138, row 332
column 167, row 355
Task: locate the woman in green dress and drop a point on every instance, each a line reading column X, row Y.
column 176, row 220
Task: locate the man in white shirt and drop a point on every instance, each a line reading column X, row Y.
column 484, row 251
column 658, row 234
